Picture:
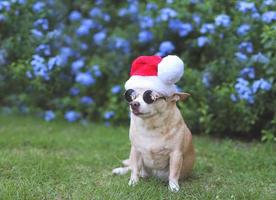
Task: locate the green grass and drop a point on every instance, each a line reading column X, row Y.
column 58, row 160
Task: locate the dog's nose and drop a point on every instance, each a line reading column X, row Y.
column 135, row 105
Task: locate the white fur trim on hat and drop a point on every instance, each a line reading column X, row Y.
column 151, row 83
column 170, row 69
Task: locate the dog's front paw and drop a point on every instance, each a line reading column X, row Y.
column 120, row 170
column 133, row 181
column 173, row 186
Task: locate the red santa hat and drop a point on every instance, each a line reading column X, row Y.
column 156, row 73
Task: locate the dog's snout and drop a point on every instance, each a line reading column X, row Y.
column 135, row 105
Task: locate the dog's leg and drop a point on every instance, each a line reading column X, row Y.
column 120, row 170
column 144, row 172
column 126, row 162
column 176, row 159
column 135, row 164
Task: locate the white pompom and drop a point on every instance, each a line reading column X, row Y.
column 170, row 69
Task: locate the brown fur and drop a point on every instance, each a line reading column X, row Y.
column 161, row 143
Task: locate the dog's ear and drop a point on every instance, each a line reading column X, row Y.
column 179, row 96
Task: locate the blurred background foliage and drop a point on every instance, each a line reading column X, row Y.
column 70, row 59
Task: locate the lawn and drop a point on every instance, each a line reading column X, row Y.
column 58, row 160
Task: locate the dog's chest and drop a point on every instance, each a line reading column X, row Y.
column 154, row 151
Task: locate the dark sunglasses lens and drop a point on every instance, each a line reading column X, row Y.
column 128, row 95
column 147, row 96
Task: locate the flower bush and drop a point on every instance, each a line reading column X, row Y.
column 70, row 59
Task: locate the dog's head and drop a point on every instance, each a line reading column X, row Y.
column 146, row 103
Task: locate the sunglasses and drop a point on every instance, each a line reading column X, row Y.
column 148, row 96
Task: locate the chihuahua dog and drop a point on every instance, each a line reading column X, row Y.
column 161, row 143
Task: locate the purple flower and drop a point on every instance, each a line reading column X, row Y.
column 75, row 16
column 233, row 97
column 84, row 28
column 106, row 17
column 132, row 9
column 202, row 41
column 244, row 91
column 123, row 12
column 39, row 67
column 169, row 1
column 123, row 44
column 99, row 37
column 269, row 2
column 108, row 115
column 166, row 47
column 3, row 55
column 49, row 115
column 2, row 18
column 74, row 91
column 89, row 23
column 151, row 6
column 99, row 2
column 85, row 79
column 183, row 29
column 5, row 5
column 116, row 89
column 37, row 34
column 243, row 29
column 269, row 16
column 246, row 6
column 260, row 58
column 29, row 74
column 38, row 6
column 207, row 28
column 95, row 12
column 54, row 61
column 44, row 48
column 54, row 34
column 246, row 47
column 86, row 100
column 65, row 53
column 68, row 39
column 41, row 23
column 194, row 1
column 223, row 20
column 206, row 77
column 146, row 22
column 261, row 84
column 174, row 24
column 96, row 71
column 83, row 46
column 145, row 36
column 248, row 72
column 77, row 65
column 256, row 16
column 241, row 57
column 72, row 116
column 196, row 19
column 166, row 13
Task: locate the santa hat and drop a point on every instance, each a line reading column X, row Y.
column 156, row 73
